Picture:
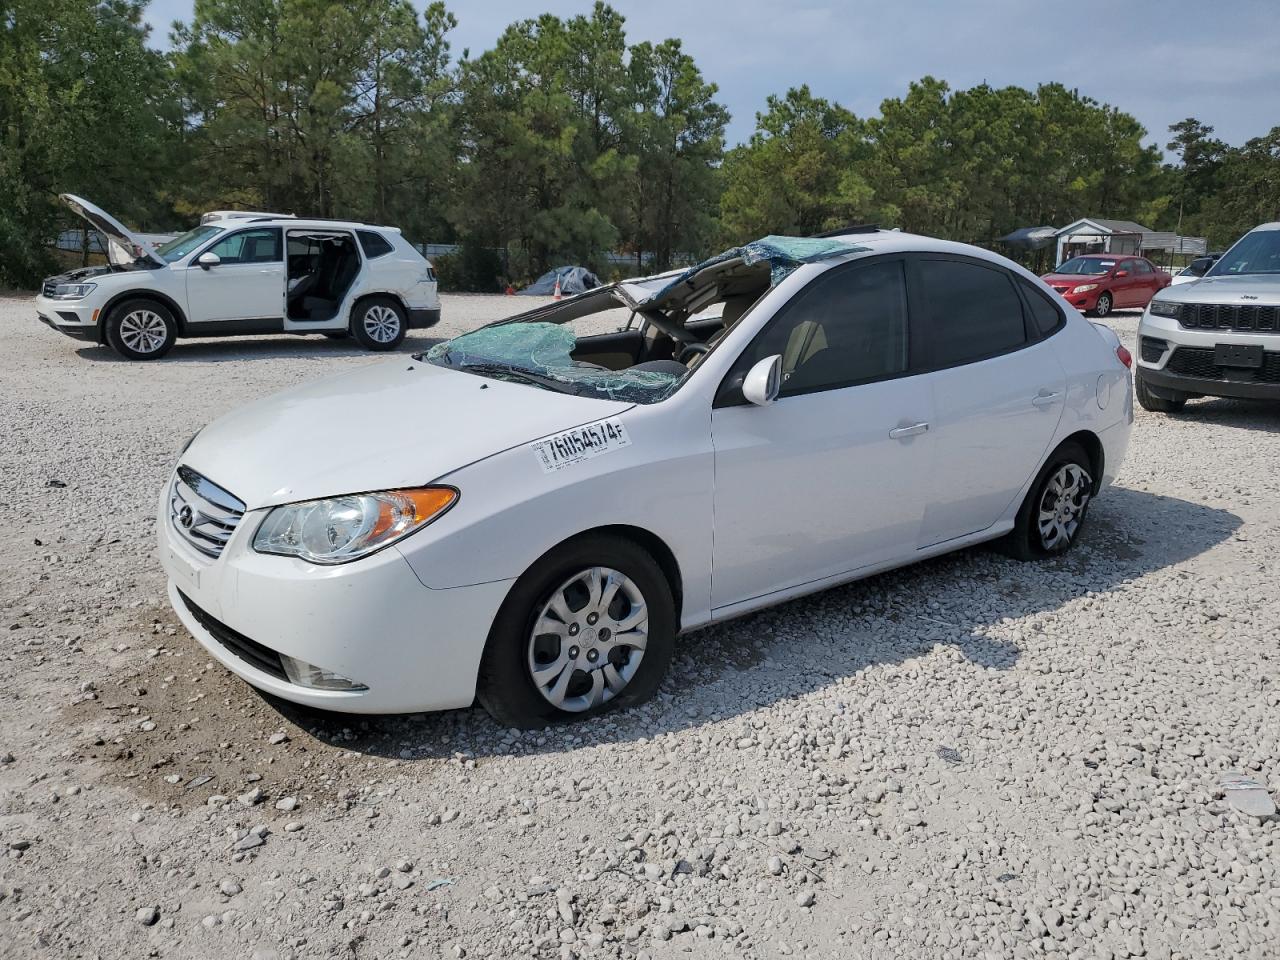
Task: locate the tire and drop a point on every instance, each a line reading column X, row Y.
column 1054, row 491
column 1149, row 401
column 586, row 687
column 141, row 329
column 1103, row 307
column 378, row 323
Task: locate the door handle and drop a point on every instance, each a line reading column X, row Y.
column 1045, row 399
column 900, row 433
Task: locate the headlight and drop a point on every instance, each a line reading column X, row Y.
column 1165, row 308
column 342, row 529
column 72, row 291
column 1085, row 288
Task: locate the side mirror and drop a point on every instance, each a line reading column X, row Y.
column 1122, row 273
column 208, row 259
column 763, row 381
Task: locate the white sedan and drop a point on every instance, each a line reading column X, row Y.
column 530, row 517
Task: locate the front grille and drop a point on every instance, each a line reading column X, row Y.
column 201, row 512
column 1229, row 316
column 1153, row 349
column 1199, row 362
column 250, row 651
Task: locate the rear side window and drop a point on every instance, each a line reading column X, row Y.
column 1045, row 317
column 974, row 312
column 1141, row 266
column 374, row 244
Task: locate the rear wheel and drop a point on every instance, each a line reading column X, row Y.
column 589, row 628
column 1149, row 401
column 141, row 329
column 1103, row 306
column 1050, row 519
column 378, row 323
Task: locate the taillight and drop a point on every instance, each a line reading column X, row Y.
column 1125, row 356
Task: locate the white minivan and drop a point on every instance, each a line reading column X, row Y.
column 241, row 275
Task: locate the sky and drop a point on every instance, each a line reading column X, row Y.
column 1161, row 63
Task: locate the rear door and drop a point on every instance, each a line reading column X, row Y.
column 998, row 392
column 832, row 475
column 246, row 284
column 1148, row 281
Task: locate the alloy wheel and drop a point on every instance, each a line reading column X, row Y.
column 143, row 331
column 588, row 639
column 1104, row 305
column 1063, row 504
column 381, row 323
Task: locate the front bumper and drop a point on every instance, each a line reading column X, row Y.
column 71, row 317
column 1081, row 301
column 373, row 621
column 1169, row 375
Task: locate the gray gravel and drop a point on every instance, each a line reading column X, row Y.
column 968, row 758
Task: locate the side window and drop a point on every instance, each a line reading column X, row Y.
column 249, row 246
column 974, row 312
column 848, row 326
column 1044, row 315
column 1141, row 266
column 374, row 244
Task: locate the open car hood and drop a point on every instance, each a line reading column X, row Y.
column 123, row 246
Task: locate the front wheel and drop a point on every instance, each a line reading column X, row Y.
column 378, row 323
column 1150, row 402
column 1103, row 306
column 590, row 627
column 1050, row 519
column 141, row 329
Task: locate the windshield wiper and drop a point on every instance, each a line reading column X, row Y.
column 519, row 373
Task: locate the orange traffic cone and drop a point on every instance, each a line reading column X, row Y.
column 556, row 294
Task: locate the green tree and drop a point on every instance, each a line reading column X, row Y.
column 801, row 172
column 81, row 111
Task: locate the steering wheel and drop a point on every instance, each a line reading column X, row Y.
column 691, row 350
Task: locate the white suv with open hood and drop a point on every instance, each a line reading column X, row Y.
column 243, row 275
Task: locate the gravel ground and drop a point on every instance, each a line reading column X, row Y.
column 967, row 758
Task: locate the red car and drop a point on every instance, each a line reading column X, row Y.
column 1098, row 283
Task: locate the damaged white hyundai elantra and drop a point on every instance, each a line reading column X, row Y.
column 530, row 517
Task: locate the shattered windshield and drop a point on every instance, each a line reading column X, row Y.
column 684, row 314
column 542, row 354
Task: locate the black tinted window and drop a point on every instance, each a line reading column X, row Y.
column 375, row 245
column 1044, row 315
column 974, row 311
column 1141, row 266
column 848, row 326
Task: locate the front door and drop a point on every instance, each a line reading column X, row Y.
column 998, row 391
column 246, row 284
column 829, row 477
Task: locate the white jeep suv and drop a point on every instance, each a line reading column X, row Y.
column 242, row 275
column 1218, row 336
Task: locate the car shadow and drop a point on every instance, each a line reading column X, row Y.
column 275, row 347
column 804, row 645
column 1254, row 415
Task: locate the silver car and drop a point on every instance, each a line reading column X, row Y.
column 1219, row 336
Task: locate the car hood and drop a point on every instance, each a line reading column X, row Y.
column 1262, row 289
column 123, row 247
column 1072, row 279
column 401, row 423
